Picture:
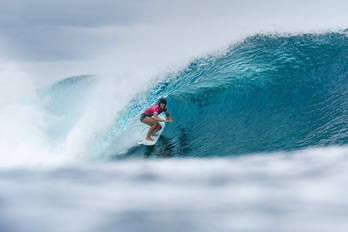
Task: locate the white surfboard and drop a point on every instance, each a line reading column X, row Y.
column 147, row 142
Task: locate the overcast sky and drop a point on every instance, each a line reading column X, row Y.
column 68, row 38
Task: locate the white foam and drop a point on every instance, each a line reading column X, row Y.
column 22, row 120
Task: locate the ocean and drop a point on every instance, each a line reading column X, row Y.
column 258, row 143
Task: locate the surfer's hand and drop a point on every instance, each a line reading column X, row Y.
column 168, row 120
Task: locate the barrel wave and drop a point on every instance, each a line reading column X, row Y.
column 267, row 93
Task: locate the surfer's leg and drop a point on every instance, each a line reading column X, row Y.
column 153, row 124
column 159, row 127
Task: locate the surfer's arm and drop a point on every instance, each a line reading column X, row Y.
column 168, row 115
column 155, row 116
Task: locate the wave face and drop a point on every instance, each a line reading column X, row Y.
column 267, row 93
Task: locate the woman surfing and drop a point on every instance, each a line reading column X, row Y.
column 154, row 111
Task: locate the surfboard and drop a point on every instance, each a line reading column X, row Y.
column 144, row 132
column 149, row 143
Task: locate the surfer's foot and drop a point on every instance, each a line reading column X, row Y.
column 155, row 134
column 149, row 138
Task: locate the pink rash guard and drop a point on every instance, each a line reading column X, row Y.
column 154, row 109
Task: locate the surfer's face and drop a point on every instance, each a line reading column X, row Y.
column 162, row 105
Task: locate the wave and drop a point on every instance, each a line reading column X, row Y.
column 66, row 101
column 266, row 93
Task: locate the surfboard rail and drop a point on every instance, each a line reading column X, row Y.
column 147, row 142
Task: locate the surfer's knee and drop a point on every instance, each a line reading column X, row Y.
column 155, row 124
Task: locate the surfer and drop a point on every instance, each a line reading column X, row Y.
column 154, row 111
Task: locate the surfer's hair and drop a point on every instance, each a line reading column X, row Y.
column 162, row 100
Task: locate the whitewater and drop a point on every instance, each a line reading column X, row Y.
column 258, row 142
